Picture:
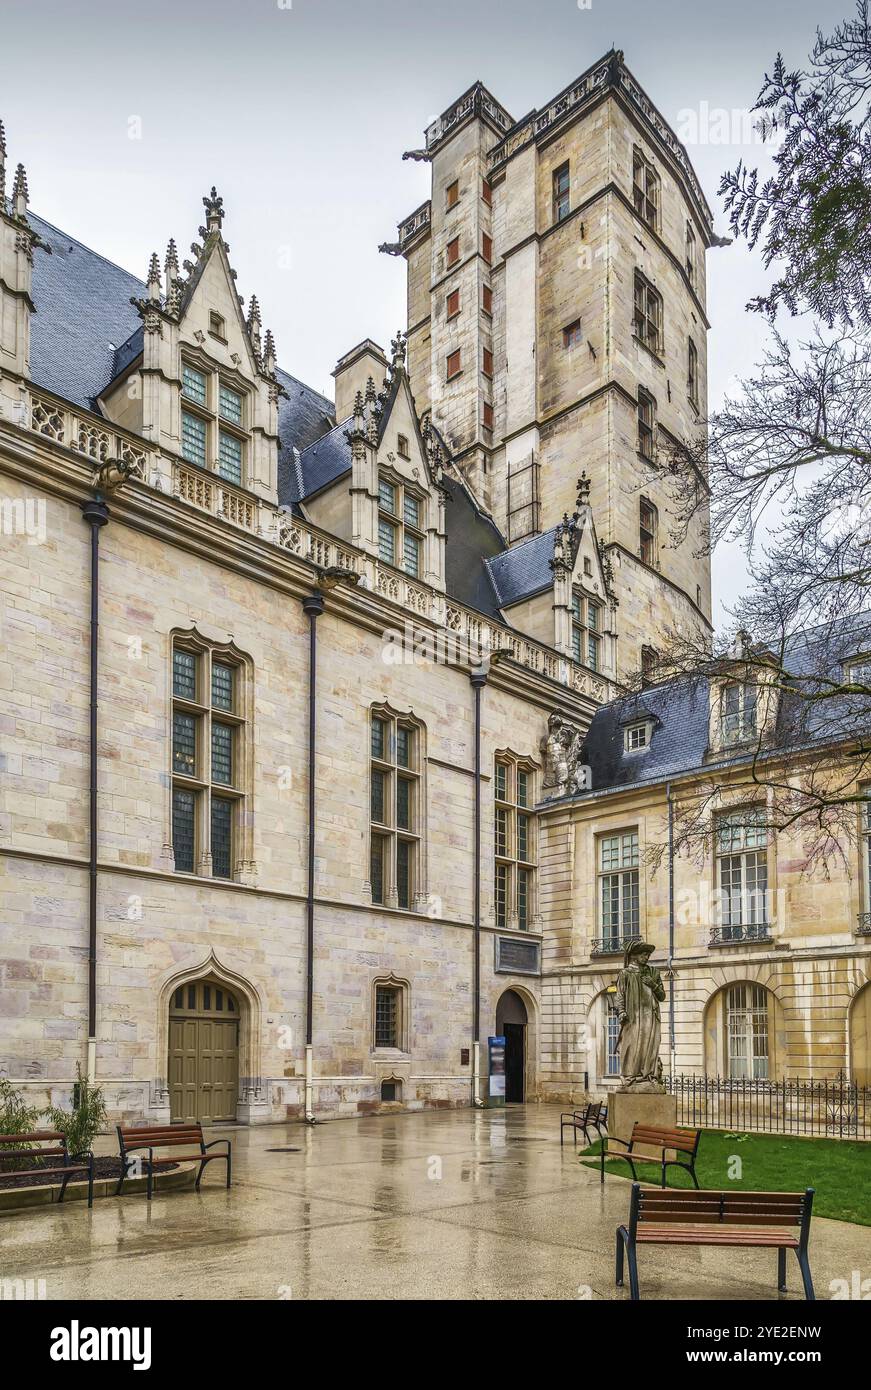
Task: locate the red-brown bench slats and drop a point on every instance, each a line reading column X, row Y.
column 665, row 1141
column 660, row 1216
column 68, row 1167
column 133, row 1139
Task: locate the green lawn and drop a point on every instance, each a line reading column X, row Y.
column 839, row 1170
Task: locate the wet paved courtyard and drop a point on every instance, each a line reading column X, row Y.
column 443, row 1204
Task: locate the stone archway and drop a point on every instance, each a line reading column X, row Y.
column 208, row 967
column 515, row 1013
column 860, row 1036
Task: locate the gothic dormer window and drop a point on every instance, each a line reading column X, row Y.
column 400, row 526
column 586, row 631
column 213, row 422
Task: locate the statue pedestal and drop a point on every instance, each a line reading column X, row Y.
column 627, row 1107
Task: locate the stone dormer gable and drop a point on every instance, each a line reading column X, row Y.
column 744, row 697
column 199, row 378
column 377, row 479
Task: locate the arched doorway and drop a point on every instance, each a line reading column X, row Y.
column 203, row 1052
column 511, row 1021
column 860, row 1037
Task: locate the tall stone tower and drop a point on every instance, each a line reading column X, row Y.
column 556, row 322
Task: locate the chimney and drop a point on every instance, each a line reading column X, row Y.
column 351, row 372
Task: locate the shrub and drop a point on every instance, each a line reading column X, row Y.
column 85, row 1120
column 16, row 1116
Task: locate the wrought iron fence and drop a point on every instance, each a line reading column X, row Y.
column 834, row 1108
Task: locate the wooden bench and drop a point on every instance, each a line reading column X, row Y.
column 679, row 1141
column 134, row 1139
column 679, row 1216
column 594, row 1115
column 57, row 1141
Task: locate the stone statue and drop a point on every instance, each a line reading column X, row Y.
column 639, row 992
column 562, row 754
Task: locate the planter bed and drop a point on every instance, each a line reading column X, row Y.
column 37, row 1189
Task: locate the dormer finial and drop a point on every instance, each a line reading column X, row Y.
column 269, row 357
column 583, row 490
column 397, row 347
column 214, row 206
column 153, row 280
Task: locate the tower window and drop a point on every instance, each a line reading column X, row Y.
column 454, row 366
column 691, row 255
column 452, row 194
column 572, row 334
column 561, row 193
column 453, row 304
column 645, row 188
column 692, row 373
column 646, row 423
column 452, row 254
column 486, row 192
column 647, row 321
column 488, row 362
column 647, row 529
column 488, row 416
column 487, row 300
column 487, row 247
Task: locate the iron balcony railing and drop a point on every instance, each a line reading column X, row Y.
column 834, row 1108
column 753, row 931
column 612, row 945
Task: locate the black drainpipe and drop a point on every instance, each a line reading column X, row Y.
column 671, row 1037
column 478, row 677
column 313, row 607
column 96, row 514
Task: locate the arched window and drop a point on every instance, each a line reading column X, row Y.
column 747, row 1032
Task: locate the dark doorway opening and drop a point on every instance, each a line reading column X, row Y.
column 511, row 1021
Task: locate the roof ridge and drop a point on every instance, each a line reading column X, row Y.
column 68, row 236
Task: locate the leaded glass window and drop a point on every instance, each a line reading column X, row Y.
column 205, row 749
column 400, row 533
column 230, row 405
column 193, row 384
column 386, row 1016
column 514, row 837
column 394, row 782
column 193, row 438
column 230, row 457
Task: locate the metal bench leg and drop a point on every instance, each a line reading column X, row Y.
column 619, row 1273
column 199, row 1177
column 63, row 1188
column 633, row 1272
column 781, row 1269
column 150, row 1181
column 122, row 1177
column 91, row 1183
column 229, row 1164
column 804, row 1266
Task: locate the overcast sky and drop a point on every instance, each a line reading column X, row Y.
column 125, row 113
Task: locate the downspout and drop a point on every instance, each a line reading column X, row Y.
column 671, row 1038
column 313, row 607
column 478, row 677
column 96, row 514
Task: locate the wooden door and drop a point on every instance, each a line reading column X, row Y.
column 203, row 1053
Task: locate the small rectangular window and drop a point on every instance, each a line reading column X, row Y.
column 386, row 1016
column 488, row 416
column 402, row 446
column 230, row 457
column 222, row 754
column 217, row 327
column 386, row 542
column 403, row 873
column 452, row 194
column 561, row 193
column 222, row 685
column 411, row 555
column 692, row 373
column 183, row 807
column 647, row 319
column 453, row 304
column 193, row 438
column 487, row 247
column 454, row 364
column 184, row 744
column 222, row 836
column 403, row 804
column 386, row 496
column 488, row 362
column 647, row 532
column 646, row 424
column 411, row 511
column 645, row 188
column 193, row 384
column 379, row 739
column 230, row 405
column 487, row 301
column 403, row 746
column 452, row 253
column 184, row 674
column 378, row 796
column 572, row 334
column 377, row 866
column 486, row 192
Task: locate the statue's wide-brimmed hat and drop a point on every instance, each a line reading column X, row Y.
column 637, row 948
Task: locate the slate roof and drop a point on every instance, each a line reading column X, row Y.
column 679, row 710
column 85, row 331
column 523, row 570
